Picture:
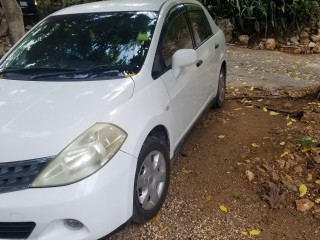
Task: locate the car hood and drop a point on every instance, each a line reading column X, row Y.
column 39, row 119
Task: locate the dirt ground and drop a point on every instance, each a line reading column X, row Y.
column 266, row 132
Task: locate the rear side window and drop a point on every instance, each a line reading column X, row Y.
column 200, row 26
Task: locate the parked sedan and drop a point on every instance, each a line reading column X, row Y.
column 94, row 102
column 30, row 11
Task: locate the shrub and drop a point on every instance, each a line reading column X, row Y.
column 265, row 17
column 47, row 7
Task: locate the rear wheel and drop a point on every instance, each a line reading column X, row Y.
column 221, row 89
column 151, row 180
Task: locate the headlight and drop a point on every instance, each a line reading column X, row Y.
column 84, row 156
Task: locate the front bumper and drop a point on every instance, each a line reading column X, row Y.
column 102, row 202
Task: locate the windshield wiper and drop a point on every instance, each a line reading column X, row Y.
column 90, row 71
column 36, row 70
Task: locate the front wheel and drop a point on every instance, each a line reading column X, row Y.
column 221, row 89
column 151, row 180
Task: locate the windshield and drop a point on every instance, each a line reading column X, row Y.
column 81, row 46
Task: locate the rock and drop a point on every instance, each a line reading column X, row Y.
column 304, row 205
column 288, row 105
column 270, row 44
column 298, row 158
column 249, row 175
column 307, row 29
column 295, row 41
column 317, row 48
column 275, row 177
column 317, row 159
column 289, row 164
column 297, row 51
column 312, row 45
column 227, row 27
column 305, row 42
column 261, row 45
column 281, row 163
column 304, row 34
column 315, row 38
column 316, row 214
column 267, row 168
column 244, row 39
column 298, row 169
column 290, row 186
column 267, row 103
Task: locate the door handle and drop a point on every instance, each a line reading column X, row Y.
column 199, row 62
column 216, row 45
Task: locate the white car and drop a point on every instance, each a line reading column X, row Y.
column 94, row 102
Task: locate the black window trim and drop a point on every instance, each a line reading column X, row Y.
column 169, row 14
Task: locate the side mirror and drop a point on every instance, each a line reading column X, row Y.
column 183, row 58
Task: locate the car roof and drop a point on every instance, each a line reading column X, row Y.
column 114, row 6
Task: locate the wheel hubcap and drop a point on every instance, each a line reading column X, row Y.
column 151, row 180
column 221, row 87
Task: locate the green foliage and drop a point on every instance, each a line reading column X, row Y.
column 309, row 142
column 49, row 6
column 265, row 17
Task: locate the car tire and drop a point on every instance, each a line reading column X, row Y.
column 151, row 180
column 221, row 89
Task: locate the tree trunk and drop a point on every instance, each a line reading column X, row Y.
column 13, row 15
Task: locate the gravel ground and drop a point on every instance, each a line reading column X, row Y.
column 271, row 69
column 210, row 170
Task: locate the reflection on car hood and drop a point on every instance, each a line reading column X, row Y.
column 39, row 119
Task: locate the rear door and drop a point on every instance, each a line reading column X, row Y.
column 206, row 45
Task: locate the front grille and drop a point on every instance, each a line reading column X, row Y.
column 16, row 176
column 16, row 230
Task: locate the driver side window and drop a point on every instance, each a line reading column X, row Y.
column 175, row 35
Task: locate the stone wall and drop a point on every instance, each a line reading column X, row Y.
column 307, row 41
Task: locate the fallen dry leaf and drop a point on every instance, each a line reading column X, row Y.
column 284, row 153
column 317, row 201
column 273, row 195
column 221, row 136
column 209, row 198
column 187, row 171
column 244, row 233
column 317, row 181
column 303, row 190
column 249, row 175
column 272, row 113
column 304, row 150
column 164, row 229
column 223, row 208
column 155, row 219
column 255, row 232
column 282, row 143
column 254, row 145
column 264, row 109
